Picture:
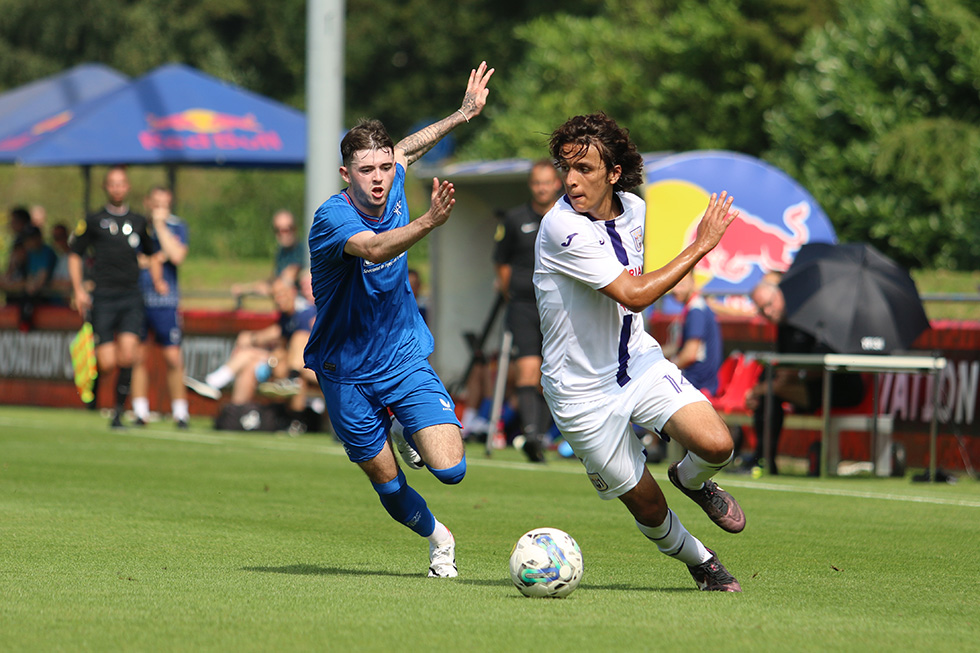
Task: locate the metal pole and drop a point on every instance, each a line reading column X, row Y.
column 934, row 423
column 86, row 189
column 324, row 101
column 767, row 448
column 172, row 185
column 825, row 432
column 499, row 389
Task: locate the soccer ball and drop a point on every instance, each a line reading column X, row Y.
column 546, row 562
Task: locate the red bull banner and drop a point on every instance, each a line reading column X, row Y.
column 36, row 131
column 173, row 114
column 204, row 129
column 776, row 217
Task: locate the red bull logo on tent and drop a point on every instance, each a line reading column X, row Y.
column 203, row 129
column 776, row 217
column 37, row 130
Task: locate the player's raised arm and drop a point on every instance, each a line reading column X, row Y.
column 411, row 148
column 386, row 245
column 637, row 293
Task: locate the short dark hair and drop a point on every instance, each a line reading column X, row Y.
column 21, row 214
column 365, row 135
column 610, row 140
column 543, row 163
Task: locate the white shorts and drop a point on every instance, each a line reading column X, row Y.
column 600, row 431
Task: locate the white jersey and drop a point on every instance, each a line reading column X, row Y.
column 592, row 345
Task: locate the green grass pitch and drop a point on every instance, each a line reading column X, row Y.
column 156, row 539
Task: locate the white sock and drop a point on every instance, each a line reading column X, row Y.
column 673, row 540
column 693, row 471
column 397, row 429
column 440, row 534
column 141, row 407
column 179, row 409
column 220, row 377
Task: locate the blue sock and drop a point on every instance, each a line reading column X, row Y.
column 451, row 475
column 405, row 505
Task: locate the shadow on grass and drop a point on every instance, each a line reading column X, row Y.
column 317, row 570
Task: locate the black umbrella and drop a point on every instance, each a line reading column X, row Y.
column 853, row 298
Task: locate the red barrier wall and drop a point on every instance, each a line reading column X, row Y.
column 35, row 370
column 901, row 395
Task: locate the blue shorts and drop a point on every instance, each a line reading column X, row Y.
column 359, row 412
column 164, row 322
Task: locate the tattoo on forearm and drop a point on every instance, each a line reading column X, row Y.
column 417, row 144
column 469, row 103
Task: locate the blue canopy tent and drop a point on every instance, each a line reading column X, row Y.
column 31, row 111
column 176, row 115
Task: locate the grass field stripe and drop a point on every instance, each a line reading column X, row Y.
column 305, row 446
column 300, row 446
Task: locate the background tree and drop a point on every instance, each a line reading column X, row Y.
column 681, row 74
column 408, row 60
column 881, row 122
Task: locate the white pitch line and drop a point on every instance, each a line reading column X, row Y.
column 305, row 446
column 968, row 503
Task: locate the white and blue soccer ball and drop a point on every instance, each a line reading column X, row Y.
column 546, row 562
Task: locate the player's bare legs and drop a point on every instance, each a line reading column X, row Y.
column 441, row 446
column 699, row 429
column 407, row 506
column 382, row 468
column 647, row 504
column 646, row 501
column 105, row 357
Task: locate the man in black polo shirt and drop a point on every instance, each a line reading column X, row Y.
column 115, row 236
column 514, row 259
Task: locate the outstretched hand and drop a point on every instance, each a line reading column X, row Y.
column 443, row 200
column 716, row 219
column 476, row 91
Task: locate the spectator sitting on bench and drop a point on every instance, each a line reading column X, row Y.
column 265, row 353
column 803, row 389
column 288, row 261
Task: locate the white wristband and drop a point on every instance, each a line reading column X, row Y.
column 460, row 111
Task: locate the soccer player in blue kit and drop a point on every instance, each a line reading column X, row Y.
column 369, row 345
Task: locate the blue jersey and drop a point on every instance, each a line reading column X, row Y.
column 298, row 320
column 368, row 324
column 700, row 324
column 151, row 298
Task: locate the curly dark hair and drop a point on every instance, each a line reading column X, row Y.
column 365, row 135
column 612, row 142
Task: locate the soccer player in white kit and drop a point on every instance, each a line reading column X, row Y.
column 601, row 370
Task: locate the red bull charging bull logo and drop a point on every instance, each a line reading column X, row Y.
column 776, row 217
column 204, row 129
column 751, row 243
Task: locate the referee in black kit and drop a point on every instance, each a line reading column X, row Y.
column 115, row 235
column 514, row 260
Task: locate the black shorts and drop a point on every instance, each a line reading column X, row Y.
column 116, row 313
column 523, row 322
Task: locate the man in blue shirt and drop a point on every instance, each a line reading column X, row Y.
column 700, row 348
column 161, row 299
column 370, row 346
